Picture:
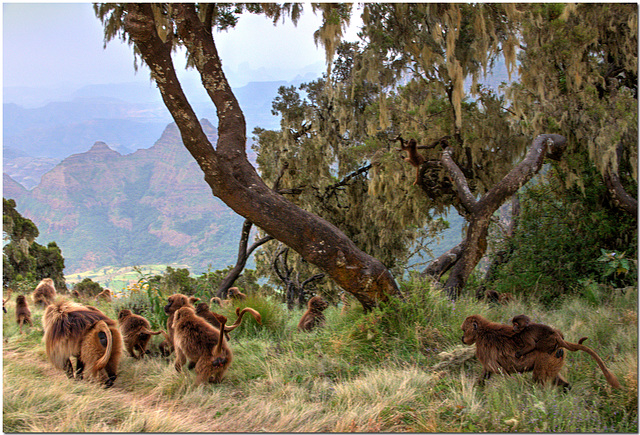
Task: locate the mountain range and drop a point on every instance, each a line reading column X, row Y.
column 152, row 206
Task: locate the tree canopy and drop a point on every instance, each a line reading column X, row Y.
column 343, row 188
column 23, row 258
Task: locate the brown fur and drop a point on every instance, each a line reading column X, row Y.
column 215, row 319
column 23, row 313
column 235, row 294
column 175, row 302
column 412, row 156
column 106, row 295
column 66, row 325
column 216, row 300
column 240, row 314
column 100, row 353
column 543, row 338
column 136, row 332
column 200, row 343
column 496, row 345
column 45, row 293
column 314, row 316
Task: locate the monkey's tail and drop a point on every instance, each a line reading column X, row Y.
column 218, row 358
column 102, row 362
column 610, row 377
column 164, row 333
column 256, row 315
column 150, row 332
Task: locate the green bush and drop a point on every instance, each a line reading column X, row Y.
column 561, row 239
column 88, row 288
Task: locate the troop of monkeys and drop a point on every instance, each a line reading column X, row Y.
column 194, row 333
column 200, row 336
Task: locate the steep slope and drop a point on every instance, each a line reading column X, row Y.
column 149, row 207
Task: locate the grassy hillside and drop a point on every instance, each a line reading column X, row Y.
column 382, row 371
column 117, row 278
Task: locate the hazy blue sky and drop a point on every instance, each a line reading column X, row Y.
column 61, row 44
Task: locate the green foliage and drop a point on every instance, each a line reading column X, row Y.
column 566, row 240
column 579, row 78
column 23, row 258
column 144, row 299
column 273, row 317
column 88, row 288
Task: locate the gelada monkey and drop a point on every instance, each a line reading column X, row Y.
column 45, row 293
column 175, row 302
column 543, row 338
column 100, row 353
column 215, row 319
column 197, row 341
column 68, row 326
column 136, row 332
column 496, row 346
column 412, row 156
column 235, row 293
column 314, row 316
column 23, row 313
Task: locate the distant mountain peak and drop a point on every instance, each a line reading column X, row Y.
column 98, row 152
column 101, row 147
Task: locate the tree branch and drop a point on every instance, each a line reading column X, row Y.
column 140, row 25
column 462, row 187
column 200, row 44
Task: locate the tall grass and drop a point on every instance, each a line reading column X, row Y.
column 366, row 372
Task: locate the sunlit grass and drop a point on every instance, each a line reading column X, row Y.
column 368, row 372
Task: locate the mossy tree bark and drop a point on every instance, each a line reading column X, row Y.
column 463, row 258
column 226, row 167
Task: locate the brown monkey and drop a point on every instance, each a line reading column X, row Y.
column 66, row 325
column 216, row 300
column 105, row 295
column 412, row 156
column 23, row 313
column 314, row 315
column 214, row 319
column 136, row 332
column 75, row 294
column 175, row 302
column 537, row 336
column 200, row 343
column 235, row 294
column 45, row 293
column 496, row 345
column 100, row 353
column 543, row 338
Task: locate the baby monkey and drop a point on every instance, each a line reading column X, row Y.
column 537, row 336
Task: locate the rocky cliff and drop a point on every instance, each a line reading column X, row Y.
column 150, row 207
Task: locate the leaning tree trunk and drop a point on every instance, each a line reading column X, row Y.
column 480, row 211
column 226, row 167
